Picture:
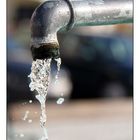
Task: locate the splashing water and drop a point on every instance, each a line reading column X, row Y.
column 21, row 135
column 30, row 121
column 39, row 76
column 60, row 101
column 26, row 115
column 30, row 101
column 40, row 73
column 58, row 69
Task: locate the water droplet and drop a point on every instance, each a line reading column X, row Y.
column 21, row 135
column 30, row 101
column 30, row 121
column 26, row 115
column 60, row 101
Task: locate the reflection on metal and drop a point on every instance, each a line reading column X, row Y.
column 53, row 15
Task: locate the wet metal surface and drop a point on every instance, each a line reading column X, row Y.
column 51, row 16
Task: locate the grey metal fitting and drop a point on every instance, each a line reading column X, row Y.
column 53, row 15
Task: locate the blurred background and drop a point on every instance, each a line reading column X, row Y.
column 96, row 80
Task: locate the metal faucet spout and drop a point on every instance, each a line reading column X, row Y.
column 53, row 15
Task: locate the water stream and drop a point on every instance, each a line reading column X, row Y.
column 40, row 78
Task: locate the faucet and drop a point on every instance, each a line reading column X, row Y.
column 54, row 15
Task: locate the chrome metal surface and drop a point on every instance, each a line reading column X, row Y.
column 47, row 19
column 53, row 15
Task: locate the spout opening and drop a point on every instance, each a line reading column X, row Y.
column 45, row 51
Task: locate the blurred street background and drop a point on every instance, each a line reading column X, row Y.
column 96, row 80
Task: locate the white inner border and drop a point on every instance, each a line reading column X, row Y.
column 3, row 70
column 136, row 70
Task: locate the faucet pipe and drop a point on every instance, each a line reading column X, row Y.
column 54, row 15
